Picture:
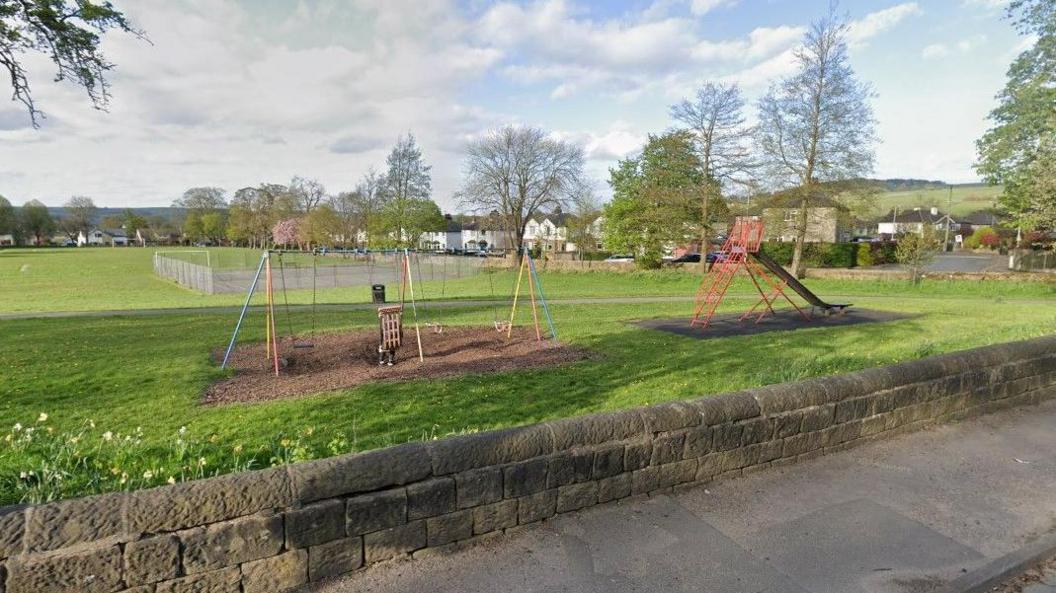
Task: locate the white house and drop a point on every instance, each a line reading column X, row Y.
column 481, row 233
column 914, row 221
column 548, row 231
column 446, row 239
column 7, row 240
column 112, row 237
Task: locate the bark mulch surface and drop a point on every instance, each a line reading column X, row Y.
column 342, row 361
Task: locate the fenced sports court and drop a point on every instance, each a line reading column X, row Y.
column 222, row 273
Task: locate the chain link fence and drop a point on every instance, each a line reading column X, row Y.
column 304, row 271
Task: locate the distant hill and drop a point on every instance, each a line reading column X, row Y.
column 147, row 212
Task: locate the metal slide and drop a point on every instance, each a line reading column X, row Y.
column 796, row 285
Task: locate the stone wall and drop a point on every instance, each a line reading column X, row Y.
column 270, row 530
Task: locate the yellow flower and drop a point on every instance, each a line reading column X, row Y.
column 171, row 480
column 42, row 418
column 238, row 449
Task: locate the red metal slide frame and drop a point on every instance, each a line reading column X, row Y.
column 744, row 239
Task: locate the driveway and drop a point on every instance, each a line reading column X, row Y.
column 969, row 262
column 906, row 515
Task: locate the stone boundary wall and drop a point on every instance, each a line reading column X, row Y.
column 270, row 530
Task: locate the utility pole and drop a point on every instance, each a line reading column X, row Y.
column 949, row 206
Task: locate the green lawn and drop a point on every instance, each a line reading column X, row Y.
column 965, row 199
column 41, row 280
column 125, row 373
column 106, row 397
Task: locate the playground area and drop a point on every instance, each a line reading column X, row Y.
column 346, row 360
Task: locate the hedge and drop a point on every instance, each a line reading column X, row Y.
column 834, row 255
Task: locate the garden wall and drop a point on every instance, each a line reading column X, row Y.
column 270, row 530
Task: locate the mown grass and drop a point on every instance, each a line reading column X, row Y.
column 148, row 372
column 45, row 280
column 964, row 199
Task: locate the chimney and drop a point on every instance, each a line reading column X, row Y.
column 447, row 217
column 934, row 211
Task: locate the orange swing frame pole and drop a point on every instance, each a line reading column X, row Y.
column 271, row 315
column 516, row 293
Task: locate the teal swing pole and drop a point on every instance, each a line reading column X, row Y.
column 542, row 297
column 245, row 307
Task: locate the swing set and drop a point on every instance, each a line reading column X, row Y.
column 390, row 317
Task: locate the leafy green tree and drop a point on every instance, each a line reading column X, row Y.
column 1018, row 152
column 67, row 31
column 132, row 222
column 407, row 187
column 817, row 125
column 214, row 226
column 37, row 221
column 320, row 226
column 8, row 217
column 656, row 198
column 198, row 203
column 413, row 218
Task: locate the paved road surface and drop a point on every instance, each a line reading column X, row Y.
column 902, row 516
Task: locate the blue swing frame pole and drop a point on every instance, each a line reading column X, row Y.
column 245, row 307
column 542, row 297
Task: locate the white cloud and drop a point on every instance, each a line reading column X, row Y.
column 702, row 7
column 986, row 4
column 877, row 22
column 942, row 50
column 935, row 50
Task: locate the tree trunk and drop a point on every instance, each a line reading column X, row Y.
column 799, row 268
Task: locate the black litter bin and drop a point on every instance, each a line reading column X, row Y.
column 378, row 292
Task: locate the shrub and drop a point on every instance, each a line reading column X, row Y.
column 865, row 255
column 983, row 236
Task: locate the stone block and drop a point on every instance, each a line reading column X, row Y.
column 12, row 530
column 495, row 517
column 570, row 467
column 524, row 478
column 853, row 409
column 801, row 443
column 448, row 528
column 315, row 524
column 230, row 543
column 614, row 488
column 786, row 425
column 497, row 447
column 151, row 560
column 668, row 448
column 710, row 466
column 672, row 474
column 80, row 520
column 698, row 442
column 757, row 430
column 576, row 496
column 668, row 417
column 393, row 542
column 536, row 507
column 637, row 455
column 770, row 451
column 276, row 574
column 596, row 429
column 93, row 570
column 608, row 461
column 334, row 558
column 430, row 498
column 727, row 436
column 171, row 508
column 372, row 512
column 479, row 486
column 644, row 480
column 361, row 472
column 818, row 418
column 226, row 580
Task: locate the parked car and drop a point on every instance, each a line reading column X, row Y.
column 714, row 256
column 688, row 258
column 622, row 259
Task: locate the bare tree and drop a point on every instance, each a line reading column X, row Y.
column 586, row 209
column 817, row 125
column 80, row 212
column 371, row 200
column 408, row 184
column 308, row 192
column 715, row 117
column 519, row 172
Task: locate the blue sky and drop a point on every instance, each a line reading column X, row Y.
column 235, row 93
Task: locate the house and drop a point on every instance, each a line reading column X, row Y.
column 480, row 233
column 914, row 221
column 548, row 231
column 972, row 221
column 448, row 238
column 7, row 240
column 111, row 237
column 828, row 221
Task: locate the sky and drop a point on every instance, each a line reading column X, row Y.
column 233, row 93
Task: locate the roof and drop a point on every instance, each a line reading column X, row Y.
column 559, row 218
column 979, row 218
column 112, row 232
column 914, row 216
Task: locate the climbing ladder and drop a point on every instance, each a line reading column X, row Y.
column 390, row 320
column 744, row 240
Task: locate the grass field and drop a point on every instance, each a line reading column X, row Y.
column 44, row 280
column 963, row 200
column 106, row 398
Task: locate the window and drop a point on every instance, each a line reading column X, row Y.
column 790, row 215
